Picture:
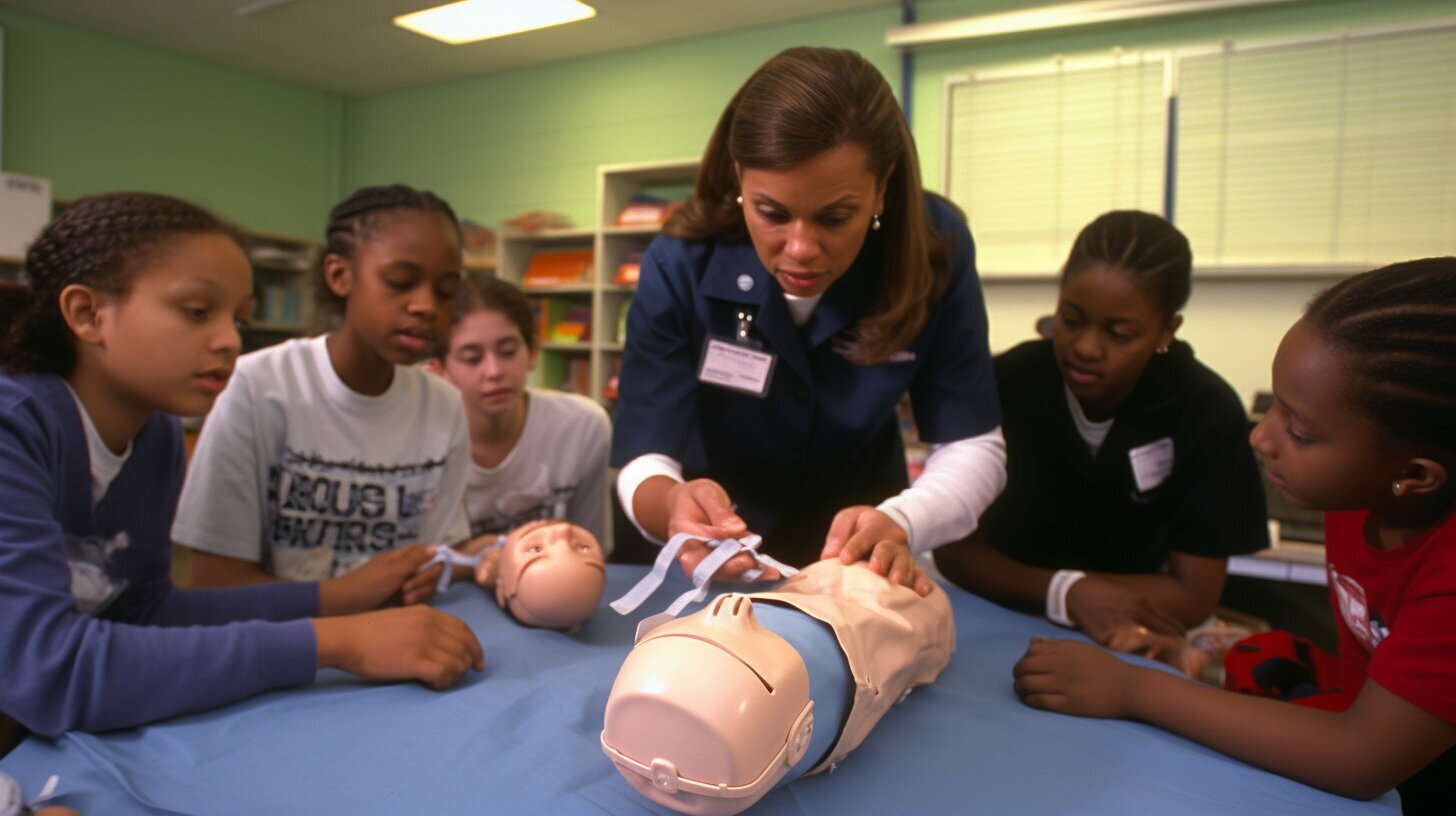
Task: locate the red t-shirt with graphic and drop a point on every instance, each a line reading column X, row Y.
column 1395, row 611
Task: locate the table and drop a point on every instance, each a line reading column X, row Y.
column 522, row 737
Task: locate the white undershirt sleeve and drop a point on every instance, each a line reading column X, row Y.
column 960, row 481
column 637, row 471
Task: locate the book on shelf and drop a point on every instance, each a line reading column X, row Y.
column 629, row 269
column 621, row 336
column 557, row 267
column 561, row 320
column 578, row 376
column 609, row 388
column 277, row 304
column 645, row 210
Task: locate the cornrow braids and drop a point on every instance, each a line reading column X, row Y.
column 1147, row 247
column 1397, row 328
column 99, row 241
column 357, row 217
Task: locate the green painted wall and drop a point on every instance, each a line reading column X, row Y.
column 95, row 114
column 502, row 144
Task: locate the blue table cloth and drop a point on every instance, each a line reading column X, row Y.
column 523, row 737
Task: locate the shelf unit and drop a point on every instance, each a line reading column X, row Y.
column 10, row 268
column 601, row 352
column 283, row 277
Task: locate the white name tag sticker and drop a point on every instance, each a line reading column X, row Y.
column 737, row 367
column 1152, row 463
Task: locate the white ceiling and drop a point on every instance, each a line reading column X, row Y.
column 351, row 47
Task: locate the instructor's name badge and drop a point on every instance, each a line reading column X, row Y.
column 735, row 366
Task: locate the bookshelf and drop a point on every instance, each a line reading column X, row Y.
column 283, row 278
column 283, row 268
column 10, row 269
column 586, row 364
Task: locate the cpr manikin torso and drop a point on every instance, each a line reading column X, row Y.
column 712, row 711
column 548, row 574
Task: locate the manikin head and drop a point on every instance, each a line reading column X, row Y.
column 551, row 574
column 710, row 711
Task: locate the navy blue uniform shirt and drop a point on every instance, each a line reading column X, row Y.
column 825, row 436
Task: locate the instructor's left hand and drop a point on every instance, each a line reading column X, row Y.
column 864, row 533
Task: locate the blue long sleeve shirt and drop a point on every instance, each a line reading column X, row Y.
column 93, row 635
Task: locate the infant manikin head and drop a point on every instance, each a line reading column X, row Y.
column 709, row 711
column 550, row 574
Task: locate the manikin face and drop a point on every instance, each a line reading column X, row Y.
column 400, row 286
column 551, row 574
column 489, row 361
column 1317, row 448
column 169, row 343
column 1106, row 331
column 808, row 222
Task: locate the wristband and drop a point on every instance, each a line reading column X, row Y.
column 1056, row 598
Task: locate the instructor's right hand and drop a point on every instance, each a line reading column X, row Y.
column 701, row 507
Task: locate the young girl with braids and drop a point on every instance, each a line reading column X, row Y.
column 336, row 459
column 131, row 317
column 1363, row 426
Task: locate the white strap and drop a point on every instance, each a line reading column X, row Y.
column 48, row 791
column 723, row 549
column 449, row 556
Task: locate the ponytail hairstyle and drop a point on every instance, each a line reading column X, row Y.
column 99, row 241
column 1396, row 327
column 796, row 106
column 1146, row 247
column 492, row 295
column 355, row 220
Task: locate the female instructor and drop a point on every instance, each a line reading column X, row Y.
column 804, row 288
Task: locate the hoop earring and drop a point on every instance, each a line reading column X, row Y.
column 875, row 221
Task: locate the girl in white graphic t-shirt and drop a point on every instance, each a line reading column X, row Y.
column 336, row 458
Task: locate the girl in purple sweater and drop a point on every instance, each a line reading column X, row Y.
column 131, row 318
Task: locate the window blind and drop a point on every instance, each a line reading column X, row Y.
column 1035, row 153
column 1338, row 152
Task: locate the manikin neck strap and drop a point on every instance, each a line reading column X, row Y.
column 451, row 557
column 723, row 549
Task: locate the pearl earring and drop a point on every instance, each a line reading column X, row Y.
column 875, row 221
column 1395, row 487
column 739, row 200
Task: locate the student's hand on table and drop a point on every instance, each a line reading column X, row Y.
column 1101, row 609
column 382, row 578
column 412, row 643
column 1172, row 650
column 862, row 533
column 701, row 507
column 1072, row 677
